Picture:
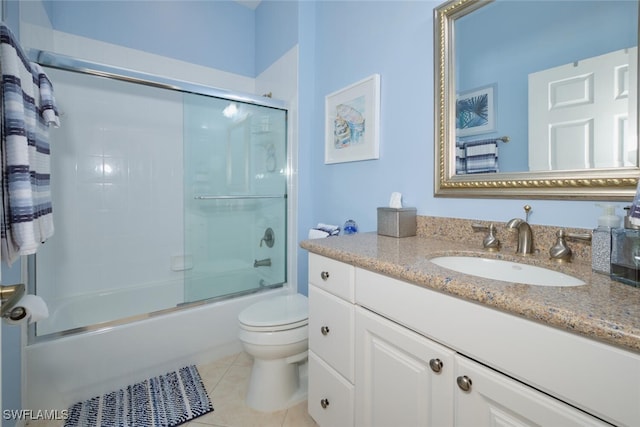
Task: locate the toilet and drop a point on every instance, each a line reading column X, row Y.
column 275, row 333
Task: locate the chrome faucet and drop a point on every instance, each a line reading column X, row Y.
column 262, row 263
column 525, row 236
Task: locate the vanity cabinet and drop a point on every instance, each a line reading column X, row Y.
column 574, row 371
column 406, row 379
column 331, row 342
column 425, row 358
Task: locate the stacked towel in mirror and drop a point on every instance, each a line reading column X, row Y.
column 477, row 157
column 323, row 230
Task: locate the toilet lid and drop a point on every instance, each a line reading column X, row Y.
column 276, row 312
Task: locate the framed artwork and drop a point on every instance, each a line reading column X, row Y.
column 352, row 122
column 476, row 111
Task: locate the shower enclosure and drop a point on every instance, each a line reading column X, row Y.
column 166, row 195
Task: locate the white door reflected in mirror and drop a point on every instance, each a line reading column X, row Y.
column 582, row 115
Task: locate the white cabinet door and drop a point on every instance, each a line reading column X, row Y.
column 493, row 399
column 395, row 385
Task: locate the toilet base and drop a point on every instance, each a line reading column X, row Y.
column 277, row 384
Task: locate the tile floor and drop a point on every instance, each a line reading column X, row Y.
column 226, row 381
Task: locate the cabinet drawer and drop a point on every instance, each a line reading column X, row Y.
column 333, row 276
column 331, row 326
column 330, row 398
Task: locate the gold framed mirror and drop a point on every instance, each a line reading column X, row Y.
column 572, row 166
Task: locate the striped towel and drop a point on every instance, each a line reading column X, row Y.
column 481, row 156
column 28, row 109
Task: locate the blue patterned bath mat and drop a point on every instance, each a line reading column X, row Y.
column 164, row 401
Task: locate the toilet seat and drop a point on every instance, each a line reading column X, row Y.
column 279, row 313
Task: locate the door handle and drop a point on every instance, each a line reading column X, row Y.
column 9, row 296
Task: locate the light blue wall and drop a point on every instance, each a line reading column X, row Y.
column 307, row 113
column 276, row 31
column 219, row 34
column 216, row 34
column 11, row 16
column 355, row 39
column 395, row 39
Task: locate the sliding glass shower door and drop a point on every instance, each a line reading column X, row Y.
column 161, row 198
column 235, row 178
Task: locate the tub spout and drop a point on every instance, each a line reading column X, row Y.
column 262, row 263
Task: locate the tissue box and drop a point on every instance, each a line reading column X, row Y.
column 397, row 222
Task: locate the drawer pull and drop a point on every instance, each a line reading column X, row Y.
column 324, row 330
column 324, row 403
column 324, row 275
column 436, row 365
column 464, row 382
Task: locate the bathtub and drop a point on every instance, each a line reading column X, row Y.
column 94, row 309
column 75, row 367
column 81, row 310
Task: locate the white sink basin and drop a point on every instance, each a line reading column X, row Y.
column 506, row 271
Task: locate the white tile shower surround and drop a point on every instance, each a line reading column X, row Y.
column 226, row 381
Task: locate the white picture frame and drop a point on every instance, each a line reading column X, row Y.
column 352, row 122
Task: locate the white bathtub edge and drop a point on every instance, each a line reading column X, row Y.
column 78, row 367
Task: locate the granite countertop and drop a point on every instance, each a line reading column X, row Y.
column 603, row 309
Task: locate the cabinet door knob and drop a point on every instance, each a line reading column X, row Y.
column 436, row 365
column 324, row 275
column 324, row 403
column 464, row 382
column 324, row 330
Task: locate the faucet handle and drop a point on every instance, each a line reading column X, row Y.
column 479, row 227
column 561, row 252
column 576, row 236
column 490, row 241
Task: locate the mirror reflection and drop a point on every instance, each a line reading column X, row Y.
column 546, row 86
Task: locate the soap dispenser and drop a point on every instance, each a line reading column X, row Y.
column 625, row 252
column 601, row 239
